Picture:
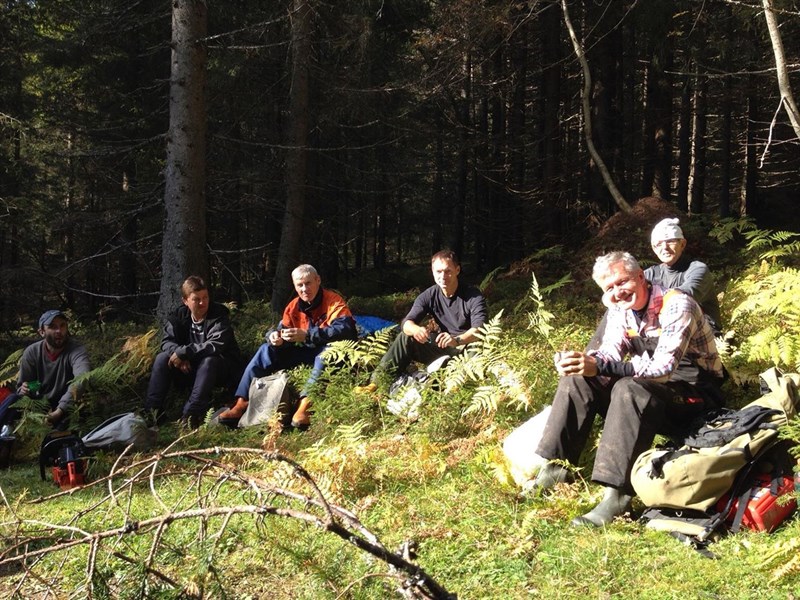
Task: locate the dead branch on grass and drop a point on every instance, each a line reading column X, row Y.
column 214, row 471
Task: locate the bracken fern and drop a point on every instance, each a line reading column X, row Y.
column 485, row 363
column 364, row 352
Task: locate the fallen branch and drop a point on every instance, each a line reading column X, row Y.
column 210, row 475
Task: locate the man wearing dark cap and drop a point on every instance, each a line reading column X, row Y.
column 48, row 369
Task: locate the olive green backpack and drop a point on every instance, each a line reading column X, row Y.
column 695, row 475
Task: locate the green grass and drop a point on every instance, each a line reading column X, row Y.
column 433, row 482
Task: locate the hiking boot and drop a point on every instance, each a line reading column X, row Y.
column 370, row 388
column 549, row 475
column 191, row 421
column 302, row 416
column 614, row 503
column 235, row 413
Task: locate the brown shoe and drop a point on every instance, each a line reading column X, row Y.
column 301, row 417
column 365, row 389
column 236, row 412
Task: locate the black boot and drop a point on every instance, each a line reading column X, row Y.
column 614, row 503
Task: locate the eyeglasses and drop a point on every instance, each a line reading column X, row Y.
column 665, row 243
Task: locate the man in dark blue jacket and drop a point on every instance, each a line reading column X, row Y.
column 198, row 350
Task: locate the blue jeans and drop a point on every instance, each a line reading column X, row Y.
column 269, row 358
column 205, row 375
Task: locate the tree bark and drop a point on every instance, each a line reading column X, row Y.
column 784, row 84
column 656, row 179
column 296, row 157
column 585, row 96
column 684, row 145
column 748, row 200
column 697, row 187
column 184, row 247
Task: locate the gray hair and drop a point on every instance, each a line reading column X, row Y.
column 602, row 264
column 303, row 270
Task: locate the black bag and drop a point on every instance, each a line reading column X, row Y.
column 119, row 432
column 64, row 453
column 6, row 450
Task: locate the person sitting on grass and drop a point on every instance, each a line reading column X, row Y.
column 198, row 351
column 675, row 271
column 48, row 369
column 657, row 368
column 459, row 311
column 312, row 320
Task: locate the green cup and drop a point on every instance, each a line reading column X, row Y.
column 34, row 387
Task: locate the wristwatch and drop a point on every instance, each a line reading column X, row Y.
column 458, row 340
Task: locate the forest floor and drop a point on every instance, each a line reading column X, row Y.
column 220, row 513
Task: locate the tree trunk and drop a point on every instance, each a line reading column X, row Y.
column 184, row 245
column 697, row 178
column 784, row 85
column 656, row 179
column 748, row 200
column 296, row 157
column 725, row 149
column 587, row 93
column 551, row 169
column 684, row 144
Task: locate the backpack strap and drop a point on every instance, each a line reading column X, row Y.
column 693, row 541
column 727, row 427
column 743, row 499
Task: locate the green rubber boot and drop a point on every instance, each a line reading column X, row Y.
column 613, row 504
column 549, row 475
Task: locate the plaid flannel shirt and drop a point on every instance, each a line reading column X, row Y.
column 677, row 321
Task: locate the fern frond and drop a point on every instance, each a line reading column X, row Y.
column 10, row 367
column 724, row 229
column 484, row 364
column 485, row 399
column 365, row 352
column 539, row 319
column 125, row 367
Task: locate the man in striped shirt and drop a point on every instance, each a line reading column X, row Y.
column 656, row 369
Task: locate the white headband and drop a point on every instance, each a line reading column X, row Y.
column 667, row 229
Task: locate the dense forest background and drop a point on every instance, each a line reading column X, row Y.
column 143, row 140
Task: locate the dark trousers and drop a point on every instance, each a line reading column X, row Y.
column 635, row 410
column 405, row 349
column 206, row 374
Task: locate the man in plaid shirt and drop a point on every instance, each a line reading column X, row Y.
column 656, row 369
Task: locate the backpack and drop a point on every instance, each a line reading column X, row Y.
column 270, row 395
column 120, row 431
column 722, row 468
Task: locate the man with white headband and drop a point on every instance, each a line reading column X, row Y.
column 677, row 271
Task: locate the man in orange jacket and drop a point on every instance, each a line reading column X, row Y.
column 310, row 322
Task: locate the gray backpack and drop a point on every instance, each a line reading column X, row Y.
column 270, row 395
column 120, row 431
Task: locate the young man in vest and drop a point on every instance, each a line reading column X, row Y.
column 671, row 375
column 310, row 322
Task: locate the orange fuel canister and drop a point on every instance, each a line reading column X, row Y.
column 764, row 511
